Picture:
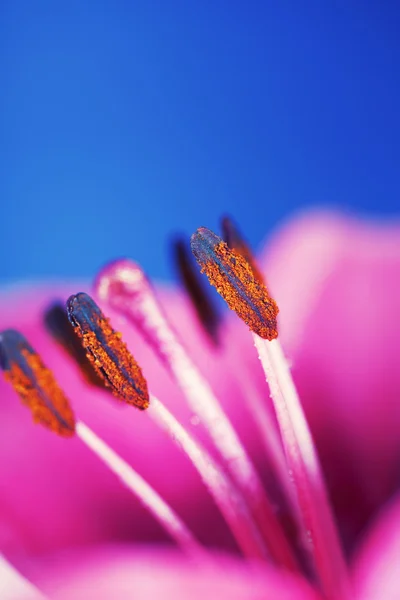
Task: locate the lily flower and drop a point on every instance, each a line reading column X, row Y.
column 224, row 491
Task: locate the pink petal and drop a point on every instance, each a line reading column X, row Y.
column 376, row 571
column 53, row 491
column 144, row 574
column 337, row 282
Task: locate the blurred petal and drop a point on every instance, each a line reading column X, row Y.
column 376, row 572
column 145, row 574
column 13, row 586
column 72, row 496
column 337, row 282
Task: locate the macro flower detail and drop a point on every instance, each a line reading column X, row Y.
column 107, row 353
column 233, row 277
column 204, row 306
column 35, row 384
column 235, row 241
column 191, row 441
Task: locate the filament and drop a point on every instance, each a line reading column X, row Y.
column 39, row 390
column 230, row 503
column 162, row 512
column 317, row 519
column 266, row 425
column 124, row 286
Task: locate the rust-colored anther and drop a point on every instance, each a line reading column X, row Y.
column 192, row 281
column 35, row 384
column 107, row 352
column 233, row 277
column 58, row 325
column 235, row 241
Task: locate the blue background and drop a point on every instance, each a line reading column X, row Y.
column 123, row 122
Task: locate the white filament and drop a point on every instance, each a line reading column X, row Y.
column 231, row 504
column 304, row 468
column 165, row 515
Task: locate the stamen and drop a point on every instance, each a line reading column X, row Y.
column 14, row 347
column 235, row 241
column 303, row 464
column 35, row 384
column 193, row 284
column 57, row 323
column 229, row 501
column 202, row 302
column 235, row 281
column 126, row 289
column 14, row 585
column 107, row 352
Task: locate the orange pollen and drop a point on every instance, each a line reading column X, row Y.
column 42, row 395
column 242, row 290
column 114, row 363
column 235, row 241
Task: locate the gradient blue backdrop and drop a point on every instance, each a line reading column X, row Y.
column 122, row 122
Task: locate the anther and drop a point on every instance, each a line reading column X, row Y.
column 124, row 286
column 232, row 276
column 58, row 325
column 35, row 384
column 202, row 302
column 235, row 241
column 107, row 352
column 39, row 391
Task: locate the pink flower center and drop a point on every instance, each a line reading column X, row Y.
column 232, row 480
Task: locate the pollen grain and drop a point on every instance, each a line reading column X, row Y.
column 236, row 282
column 235, row 241
column 108, row 354
column 40, row 392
